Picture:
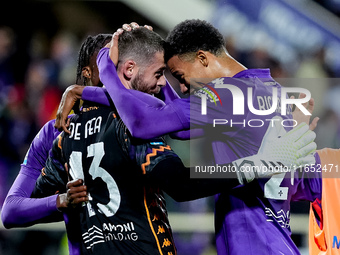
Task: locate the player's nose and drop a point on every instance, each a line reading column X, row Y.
column 183, row 88
column 162, row 81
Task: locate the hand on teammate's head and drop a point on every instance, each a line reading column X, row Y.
column 134, row 25
column 113, row 44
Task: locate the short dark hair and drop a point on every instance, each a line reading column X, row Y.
column 192, row 35
column 140, row 45
column 89, row 47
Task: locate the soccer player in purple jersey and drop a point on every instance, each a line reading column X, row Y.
column 19, row 209
column 253, row 218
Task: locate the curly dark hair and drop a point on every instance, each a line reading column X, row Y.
column 192, row 35
column 89, row 47
column 140, row 45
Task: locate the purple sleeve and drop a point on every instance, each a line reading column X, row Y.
column 19, row 209
column 95, row 94
column 168, row 94
column 144, row 115
column 309, row 184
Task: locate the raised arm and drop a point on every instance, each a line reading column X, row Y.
column 144, row 115
column 71, row 95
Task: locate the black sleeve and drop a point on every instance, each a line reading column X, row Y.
column 174, row 179
column 53, row 177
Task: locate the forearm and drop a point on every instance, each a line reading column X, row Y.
column 144, row 115
column 95, row 94
column 19, row 210
column 168, row 94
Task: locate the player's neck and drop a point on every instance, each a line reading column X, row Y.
column 228, row 67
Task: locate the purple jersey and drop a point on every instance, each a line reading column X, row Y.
column 264, row 202
column 251, row 219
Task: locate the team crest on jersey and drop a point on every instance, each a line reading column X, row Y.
column 209, row 92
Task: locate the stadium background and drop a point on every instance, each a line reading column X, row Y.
column 39, row 42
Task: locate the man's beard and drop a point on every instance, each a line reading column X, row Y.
column 139, row 84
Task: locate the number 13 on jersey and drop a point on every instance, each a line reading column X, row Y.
column 96, row 151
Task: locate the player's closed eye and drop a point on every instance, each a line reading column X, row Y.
column 159, row 74
column 179, row 77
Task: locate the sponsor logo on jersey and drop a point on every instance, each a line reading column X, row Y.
column 109, row 232
column 157, row 143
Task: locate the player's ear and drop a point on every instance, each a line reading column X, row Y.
column 202, row 58
column 129, row 67
column 86, row 72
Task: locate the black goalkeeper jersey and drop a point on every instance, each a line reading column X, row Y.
column 126, row 212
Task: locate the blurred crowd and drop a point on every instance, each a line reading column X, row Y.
column 27, row 103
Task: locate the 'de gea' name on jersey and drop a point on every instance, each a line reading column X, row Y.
column 91, row 127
